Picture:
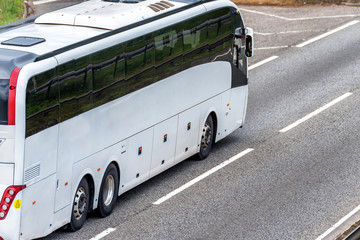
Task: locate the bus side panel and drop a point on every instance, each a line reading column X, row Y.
column 40, row 155
column 139, row 158
column 188, row 133
column 164, row 144
column 234, row 102
column 38, row 210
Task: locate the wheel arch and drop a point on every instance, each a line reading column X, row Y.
column 215, row 121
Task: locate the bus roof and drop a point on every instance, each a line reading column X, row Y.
column 81, row 22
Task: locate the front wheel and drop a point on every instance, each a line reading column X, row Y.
column 80, row 206
column 108, row 191
column 207, row 138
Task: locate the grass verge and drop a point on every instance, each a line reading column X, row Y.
column 11, row 11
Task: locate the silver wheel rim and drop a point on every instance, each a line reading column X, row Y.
column 206, row 136
column 109, row 189
column 80, row 203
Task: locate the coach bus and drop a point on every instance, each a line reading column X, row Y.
column 98, row 97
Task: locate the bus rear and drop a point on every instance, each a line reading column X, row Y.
column 10, row 187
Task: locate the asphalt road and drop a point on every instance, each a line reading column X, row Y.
column 293, row 185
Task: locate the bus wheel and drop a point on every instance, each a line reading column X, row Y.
column 108, row 191
column 207, row 138
column 80, row 205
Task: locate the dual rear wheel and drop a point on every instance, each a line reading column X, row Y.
column 107, row 198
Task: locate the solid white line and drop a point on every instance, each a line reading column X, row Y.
column 201, row 177
column 307, row 117
column 103, row 234
column 336, row 225
column 299, row 19
column 262, row 62
column 327, row 34
column 43, row 2
column 267, row 48
column 286, row 32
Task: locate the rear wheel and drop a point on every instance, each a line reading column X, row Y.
column 80, row 205
column 207, row 138
column 108, row 191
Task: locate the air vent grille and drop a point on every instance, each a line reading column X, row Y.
column 32, row 173
column 160, row 6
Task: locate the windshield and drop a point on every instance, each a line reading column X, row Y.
column 4, row 95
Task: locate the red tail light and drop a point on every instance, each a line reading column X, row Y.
column 12, row 94
column 7, row 199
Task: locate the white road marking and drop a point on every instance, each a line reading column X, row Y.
column 201, row 177
column 262, row 62
column 328, row 33
column 299, row 19
column 307, row 117
column 103, row 234
column 43, row 2
column 336, row 225
column 275, row 47
column 286, row 32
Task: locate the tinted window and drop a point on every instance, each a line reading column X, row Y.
column 4, row 96
column 42, row 102
column 168, row 51
column 108, row 68
column 195, row 41
column 140, row 57
column 75, row 88
column 220, row 32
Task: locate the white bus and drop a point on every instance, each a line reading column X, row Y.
column 99, row 97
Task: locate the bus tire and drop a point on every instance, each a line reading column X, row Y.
column 108, row 191
column 80, row 206
column 207, row 138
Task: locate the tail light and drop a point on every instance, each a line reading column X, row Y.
column 7, row 199
column 12, row 94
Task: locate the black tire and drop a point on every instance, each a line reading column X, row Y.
column 207, row 138
column 108, row 191
column 80, row 206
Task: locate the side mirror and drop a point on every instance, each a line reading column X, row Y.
column 249, row 42
column 248, row 34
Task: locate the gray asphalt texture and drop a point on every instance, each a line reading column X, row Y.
column 294, row 185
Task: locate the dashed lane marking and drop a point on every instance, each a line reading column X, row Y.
column 103, row 234
column 262, row 62
column 204, row 175
column 327, row 34
column 316, row 112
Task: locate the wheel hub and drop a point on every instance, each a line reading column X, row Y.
column 109, row 189
column 80, row 203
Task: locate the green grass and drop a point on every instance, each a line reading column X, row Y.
column 11, row 11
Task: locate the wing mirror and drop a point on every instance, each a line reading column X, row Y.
column 248, row 34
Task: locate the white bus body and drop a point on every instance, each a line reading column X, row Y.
column 99, row 97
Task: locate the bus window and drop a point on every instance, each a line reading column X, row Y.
column 195, row 40
column 42, row 102
column 4, row 94
column 168, row 51
column 108, row 68
column 75, row 88
column 140, row 58
column 220, row 33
